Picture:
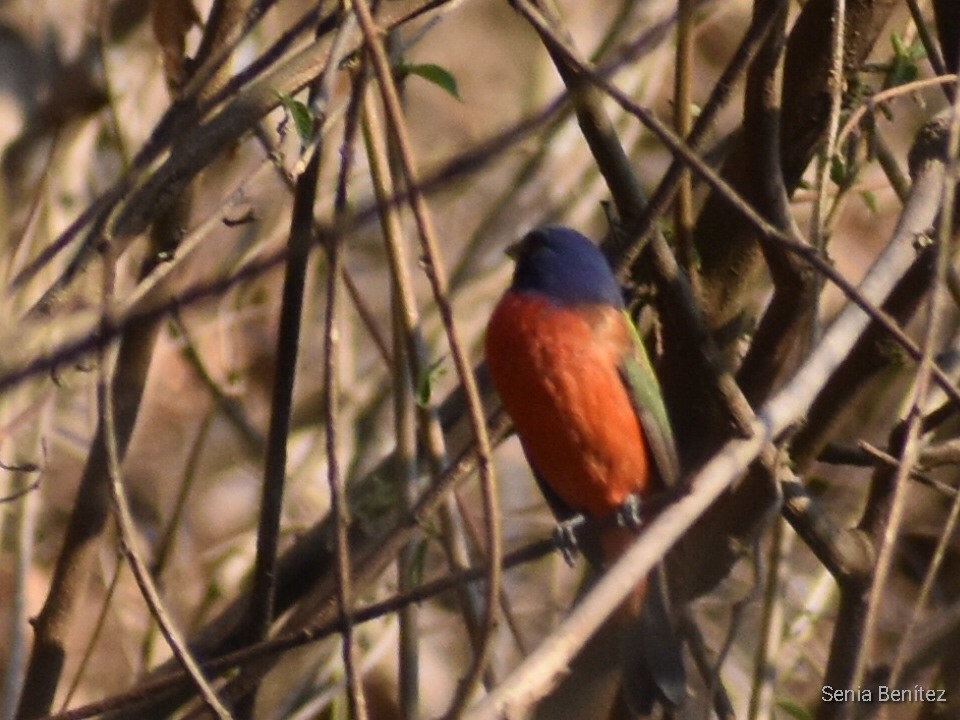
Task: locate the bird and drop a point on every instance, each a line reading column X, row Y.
column 572, row 374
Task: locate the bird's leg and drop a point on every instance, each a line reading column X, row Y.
column 637, row 509
column 565, row 537
column 630, row 514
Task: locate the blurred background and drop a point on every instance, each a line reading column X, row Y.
column 83, row 86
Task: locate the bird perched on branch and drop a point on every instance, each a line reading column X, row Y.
column 575, row 379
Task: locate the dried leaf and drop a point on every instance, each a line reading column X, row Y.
column 172, row 20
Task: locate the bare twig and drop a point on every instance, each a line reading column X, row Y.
column 786, row 328
column 682, row 121
column 157, row 688
column 540, row 670
column 125, row 525
column 835, row 82
column 930, row 47
column 98, row 628
column 338, row 497
column 22, row 529
column 416, row 353
column 436, row 275
column 288, row 339
column 853, row 639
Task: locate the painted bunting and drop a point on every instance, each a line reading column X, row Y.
column 575, row 379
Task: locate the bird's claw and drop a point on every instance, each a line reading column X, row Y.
column 630, row 514
column 565, row 537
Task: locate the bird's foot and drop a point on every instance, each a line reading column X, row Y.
column 637, row 510
column 630, row 514
column 565, row 537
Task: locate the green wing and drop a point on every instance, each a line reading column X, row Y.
column 654, row 672
column 641, row 381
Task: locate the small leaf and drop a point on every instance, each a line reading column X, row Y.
column 303, row 119
column 899, row 48
column 441, row 77
column 794, row 710
column 428, row 378
column 870, row 198
column 838, row 170
column 903, row 68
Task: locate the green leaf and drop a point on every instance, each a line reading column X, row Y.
column 838, row 170
column 899, row 48
column 427, row 380
column 441, row 77
column 794, row 710
column 870, row 198
column 303, row 118
column 903, row 67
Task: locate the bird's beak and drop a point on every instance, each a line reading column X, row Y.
column 513, row 251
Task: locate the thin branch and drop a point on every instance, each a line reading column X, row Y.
column 155, row 689
column 835, row 83
column 338, row 499
column 404, row 423
column 937, row 315
column 299, row 246
column 763, row 682
column 165, row 544
column 768, row 232
column 682, row 122
column 438, row 281
column 873, row 102
column 534, row 677
column 785, row 331
column 416, row 352
column 126, row 528
column 930, row 46
column 98, row 628
column 22, row 531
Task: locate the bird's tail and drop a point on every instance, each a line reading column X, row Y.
column 652, row 657
column 651, row 654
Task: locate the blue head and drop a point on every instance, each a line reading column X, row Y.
column 566, row 267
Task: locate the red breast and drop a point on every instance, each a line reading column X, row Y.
column 556, row 369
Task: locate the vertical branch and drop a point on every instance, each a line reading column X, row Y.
column 281, row 402
column 771, row 625
column 730, row 257
column 124, row 519
column 409, row 361
column 404, row 422
column 418, row 361
column 338, row 496
column 23, row 527
column 835, row 82
column 883, row 513
column 785, row 330
column 291, row 310
column 98, row 628
column 87, row 520
column 438, row 281
column 682, row 121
